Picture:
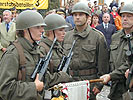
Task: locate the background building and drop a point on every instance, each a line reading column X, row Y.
column 100, row 2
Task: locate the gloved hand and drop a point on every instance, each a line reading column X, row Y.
column 106, row 78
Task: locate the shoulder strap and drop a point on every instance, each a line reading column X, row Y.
column 22, row 60
column 51, row 64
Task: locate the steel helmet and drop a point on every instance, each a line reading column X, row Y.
column 128, row 8
column 81, row 7
column 54, row 21
column 28, row 19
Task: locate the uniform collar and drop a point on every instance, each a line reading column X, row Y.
column 57, row 45
column 84, row 33
column 27, row 45
column 123, row 35
column 48, row 42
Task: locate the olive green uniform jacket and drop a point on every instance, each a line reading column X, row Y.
column 13, row 89
column 6, row 37
column 57, row 55
column 118, row 63
column 90, row 52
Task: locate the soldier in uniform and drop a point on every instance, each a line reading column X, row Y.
column 118, row 58
column 16, row 83
column 55, row 28
column 90, row 54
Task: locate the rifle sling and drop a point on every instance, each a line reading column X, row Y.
column 22, row 60
column 51, row 64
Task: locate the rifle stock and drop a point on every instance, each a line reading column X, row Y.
column 42, row 65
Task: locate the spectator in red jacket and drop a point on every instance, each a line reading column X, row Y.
column 114, row 12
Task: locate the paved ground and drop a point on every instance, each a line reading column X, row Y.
column 104, row 93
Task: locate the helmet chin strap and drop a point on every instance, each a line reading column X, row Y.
column 34, row 42
column 54, row 33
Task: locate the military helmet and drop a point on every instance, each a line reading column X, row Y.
column 28, row 19
column 128, row 8
column 54, row 21
column 81, row 7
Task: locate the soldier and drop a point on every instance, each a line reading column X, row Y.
column 15, row 72
column 55, row 28
column 90, row 55
column 118, row 58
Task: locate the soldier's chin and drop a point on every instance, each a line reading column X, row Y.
column 60, row 40
column 38, row 39
column 77, row 24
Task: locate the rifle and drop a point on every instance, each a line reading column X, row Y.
column 129, row 53
column 66, row 60
column 42, row 65
column 63, row 66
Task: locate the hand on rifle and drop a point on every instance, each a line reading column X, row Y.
column 126, row 73
column 3, row 49
column 106, row 78
column 38, row 83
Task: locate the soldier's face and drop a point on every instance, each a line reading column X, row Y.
column 127, row 20
column 79, row 18
column 36, row 32
column 60, row 34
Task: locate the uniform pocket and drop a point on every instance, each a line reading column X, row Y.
column 126, row 48
column 113, row 47
column 113, row 53
column 88, row 53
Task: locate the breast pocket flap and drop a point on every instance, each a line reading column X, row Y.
column 88, row 47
